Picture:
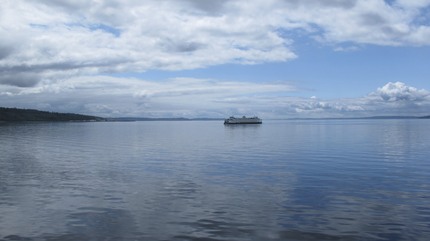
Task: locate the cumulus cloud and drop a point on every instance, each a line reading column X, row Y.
column 63, row 53
column 397, row 98
column 51, row 40
column 86, row 37
column 394, row 98
column 400, row 92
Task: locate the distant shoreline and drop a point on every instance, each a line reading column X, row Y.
column 362, row 118
column 134, row 119
column 23, row 115
column 131, row 119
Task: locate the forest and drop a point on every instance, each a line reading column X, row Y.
column 15, row 114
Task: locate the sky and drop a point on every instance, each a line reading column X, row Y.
column 217, row 58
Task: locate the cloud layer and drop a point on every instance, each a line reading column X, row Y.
column 63, row 54
column 51, row 40
column 186, row 97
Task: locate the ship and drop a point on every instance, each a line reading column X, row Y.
column 243, row 120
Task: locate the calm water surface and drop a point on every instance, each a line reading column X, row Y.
column 282, row 180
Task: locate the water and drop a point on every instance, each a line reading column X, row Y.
column 282, row 180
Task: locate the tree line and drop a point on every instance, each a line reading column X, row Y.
column 15, row 114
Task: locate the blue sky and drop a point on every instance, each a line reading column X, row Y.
column 203, row 58
column 321, row 71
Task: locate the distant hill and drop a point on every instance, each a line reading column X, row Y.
column 14, row 114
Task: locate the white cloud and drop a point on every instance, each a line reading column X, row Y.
column 188, row 97
column 102, row 37
column 50, row 40
column 110, row 96
column 60, row 53
column 400, row 92
column 398, row 99
column 394, row 98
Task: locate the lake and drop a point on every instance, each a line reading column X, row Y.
column 201, row 180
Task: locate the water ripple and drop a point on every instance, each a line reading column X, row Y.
column 283, row 180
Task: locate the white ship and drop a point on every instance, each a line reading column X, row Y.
column 243, row 120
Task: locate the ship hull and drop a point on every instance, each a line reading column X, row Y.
column 243, row 120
